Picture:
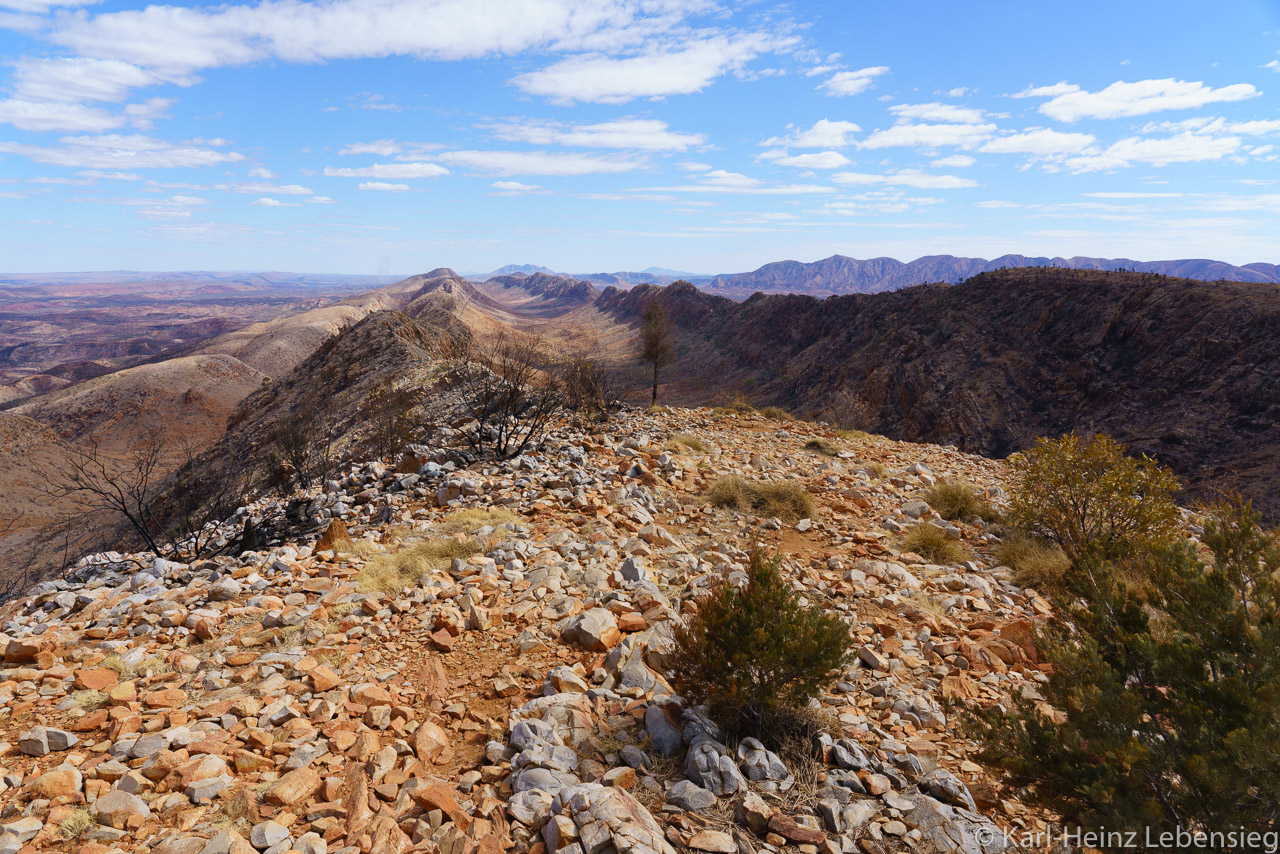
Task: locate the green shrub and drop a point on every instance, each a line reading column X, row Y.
column 765, row 498
column 935, row 545
column 959, row 501
column 1163, row 709
column 753, row 656
column 1089, row 495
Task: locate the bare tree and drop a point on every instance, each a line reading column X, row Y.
column 655, row 346
column 512, row 392
column 125, row 486
column 588, row 387
column 848, row 410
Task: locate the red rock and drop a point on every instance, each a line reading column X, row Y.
column 786, row 826
column 98, row 679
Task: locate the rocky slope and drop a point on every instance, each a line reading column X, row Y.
column 514, row 699
column 840, row 274
column 1188, row 371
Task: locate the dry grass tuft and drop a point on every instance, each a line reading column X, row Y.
column 822, row 446
column 91, row 700
column 146, row 667
column 393, row 571
column 1036, row 563
column 934, row 545
column 784, row 500
column 957, row 500
column 777, row 413
column 681, row 442
column 853, row 434
column 75, row 824
column 473, row 519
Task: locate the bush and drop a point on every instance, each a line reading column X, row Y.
column 512, row 394
column 1035, row 563
column 935, row 545
column 784, row 500
column 1163, row 710
column 959, row 501
column 752, row 655
column 1089, row 495
column 681, row 442
column 823, row 446
column 777, row 413
column 588, row 389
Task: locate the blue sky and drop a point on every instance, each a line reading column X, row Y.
column 390, row 136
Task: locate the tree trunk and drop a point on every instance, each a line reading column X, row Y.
column 654, row 402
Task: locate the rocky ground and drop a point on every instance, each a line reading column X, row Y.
column 513, row 698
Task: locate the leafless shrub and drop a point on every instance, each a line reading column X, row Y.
column 513, row 392
column 848, row 410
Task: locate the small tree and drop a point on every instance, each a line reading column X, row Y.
column 1088, row 494
column 587, row 387
column 655, row 345
column 753, row 655
column 1163, row 709
column 512, row 392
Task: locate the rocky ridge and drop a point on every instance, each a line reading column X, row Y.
column 514, row 699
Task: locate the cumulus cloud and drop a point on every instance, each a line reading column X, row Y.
column 905, row 178
column 852, row 82
column 1183, row 148
column 955, row 161
column 381, row 147
column 824, row 133
column 1040, row 141
column 642, row 134
column 254, row 188
column 1070, row 103
column 908, row 134
column 266, row 202
column 117, row 151
column 810, row 160
column 724, row 181
column 388, row 170
column 382, row 185
column 935, row 112
column 261, row 172
column 673, row 71
column 515, row 188
column 537, row 163
column 321, row 200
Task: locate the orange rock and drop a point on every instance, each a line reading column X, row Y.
column 98, row 679
column 429, row 741
column 324, row 678
column 292, row 787
column 165, row 698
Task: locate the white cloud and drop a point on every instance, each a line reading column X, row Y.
column 321, row 200
column 958, row 92
column 611, row 80
column 852, row 82
column 1183, row 148
column 1274, row 65
column 266, row 202
column 116, row 151
column 1040, row 141
column 388, row 170
column 722, row 181
column 110, row 176
column 1219, row 126
column 261, row 172
column 955, row 161
column 380, row 147
column 935, row 112
column 256, row 187
column 82, row 78
column 1125, row 195
column 905, row 178
column 811, row 160
column 515, row 188
column 537, row 163
column 40, row 7
column 825, row 133
column 643, row 134
column 929, row 136
column 42, row 116
column 1070, row 103
column 381, row 185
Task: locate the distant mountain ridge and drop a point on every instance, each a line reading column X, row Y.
column 841, row 274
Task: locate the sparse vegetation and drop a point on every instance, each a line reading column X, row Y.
column 91, row 700
column 1036, row 563
column 756, row 656
column 588, row 388
column 153, row 665
column 734, row 403
column 847, row 410
column 512, row 392
column 655, row 345
column 826, row 447
column 393, row 571
column 935, row 545
column 75, row 824
column 959, row 501
column 1161, row 706
column 683, row 442
column 765, row 498
column 1089, row 495
column 777, row 414
column 473, row 519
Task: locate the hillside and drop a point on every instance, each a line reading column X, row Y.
column 1187, row 371
column 297, row 697
column 843, row 275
